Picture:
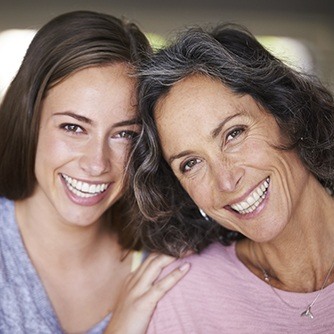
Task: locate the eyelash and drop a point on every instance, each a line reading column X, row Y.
column 185, row 165
column 234, row 133
column 127, row 134
column 72, row 128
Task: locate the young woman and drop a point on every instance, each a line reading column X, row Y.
column 235, row 135
column 67, row 125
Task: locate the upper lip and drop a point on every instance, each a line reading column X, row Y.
column 84, row 186
column 85, row 181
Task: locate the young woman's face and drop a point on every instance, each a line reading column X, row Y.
column 221, row 148
column 88, row 122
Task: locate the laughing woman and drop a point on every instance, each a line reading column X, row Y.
column 67, row 124
column 237, row 137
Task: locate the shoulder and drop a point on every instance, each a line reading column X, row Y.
column 182, row 309
column 212, row 260
column 6, row 207
column 209, row 270
column 7, row 216
column 213, row 253
column 3, row 201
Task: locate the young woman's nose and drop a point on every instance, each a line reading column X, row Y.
column 95, row 159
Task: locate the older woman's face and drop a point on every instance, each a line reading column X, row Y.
column 221, row 148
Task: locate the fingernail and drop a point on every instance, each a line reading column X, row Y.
column 185, row 266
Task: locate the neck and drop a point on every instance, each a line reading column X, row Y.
column 49, row 240
column 300, row 257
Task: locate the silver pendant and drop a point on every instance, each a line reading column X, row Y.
column 308, row 313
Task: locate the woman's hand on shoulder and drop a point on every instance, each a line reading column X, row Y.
column 141, row 292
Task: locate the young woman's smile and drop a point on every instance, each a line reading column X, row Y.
column 88, row 123
column 85, row 193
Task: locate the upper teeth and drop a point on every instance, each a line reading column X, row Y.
column 84, row 189
column 253, row 200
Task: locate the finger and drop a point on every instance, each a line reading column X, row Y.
column 146, row 263
column 148, row 271
column 133, row 276
column 162, row 286
column 145, row 278
column 152, row 261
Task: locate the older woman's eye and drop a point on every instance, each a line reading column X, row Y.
column 234, row 133
column 189, row 164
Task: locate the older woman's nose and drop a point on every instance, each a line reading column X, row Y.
column 226, row 176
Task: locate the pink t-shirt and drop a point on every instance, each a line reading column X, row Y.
column 220, row 295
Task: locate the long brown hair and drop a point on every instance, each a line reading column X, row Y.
column 66, row 44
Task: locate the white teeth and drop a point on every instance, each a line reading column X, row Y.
column 84, row 189
column 256, row 196
column 244, row 205
column 254, row 200
column 239, row 207
column 92, row 189
column 251, row 200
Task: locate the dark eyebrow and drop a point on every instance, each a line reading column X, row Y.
column 76, row 116
column 132, row 121
column 86, row 120
column 215, row 132
column 177, row 156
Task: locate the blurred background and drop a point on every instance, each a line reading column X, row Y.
column 301, row 32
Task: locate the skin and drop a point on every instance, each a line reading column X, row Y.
column 88, row 129
column 88, row 121
column 221, row 147
column 142, row 290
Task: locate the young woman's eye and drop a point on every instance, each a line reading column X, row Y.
column 127, row 134
column 189, row 164
column 234, row 133
column 72, row 128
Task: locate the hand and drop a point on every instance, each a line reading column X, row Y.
column 141, row 293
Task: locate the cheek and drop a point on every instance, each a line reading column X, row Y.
column 257, row 152
column 52, row 151
column 118, row 156
column 199, row 192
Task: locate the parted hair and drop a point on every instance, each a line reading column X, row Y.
column 303, row 108
column 66, row 44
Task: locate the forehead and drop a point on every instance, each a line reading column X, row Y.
column 195, row 109
column 94, row 80
column 109, row 89
column 196, row 99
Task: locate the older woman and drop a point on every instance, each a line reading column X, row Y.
column 240, row 167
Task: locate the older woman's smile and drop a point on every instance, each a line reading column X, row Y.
column 253, row 200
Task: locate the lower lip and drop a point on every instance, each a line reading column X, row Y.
column 84, row 201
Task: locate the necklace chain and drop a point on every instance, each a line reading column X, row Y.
column 307, row 312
